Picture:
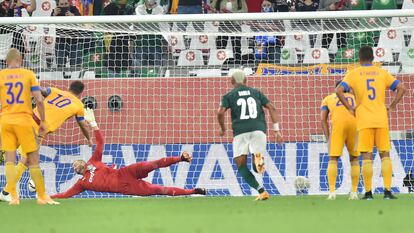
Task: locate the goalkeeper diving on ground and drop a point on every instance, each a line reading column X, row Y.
column 96, row 176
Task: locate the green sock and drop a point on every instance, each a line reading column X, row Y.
column 249, row 178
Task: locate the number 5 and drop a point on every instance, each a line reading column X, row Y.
column 370, row 88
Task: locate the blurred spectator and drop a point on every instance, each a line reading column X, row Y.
column 185, row 6
column 306, row 5
column 126, row 7
column 16, row 8
column 280, row 5
column 148, row 48
column 230, row 6
column 116, row 57
column 253, row 6
column 68, row 44
column 334, row 5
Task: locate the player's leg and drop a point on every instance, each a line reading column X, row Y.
column 10, row 142
column 382, row 141
column 336, row 146
column 365, row 147
column 30, row 145
column 240, row 152
column 143, row 188
column 140, row 170
column 354, row 161
column 257, row 146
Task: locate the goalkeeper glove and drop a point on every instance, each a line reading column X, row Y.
column 90, row 117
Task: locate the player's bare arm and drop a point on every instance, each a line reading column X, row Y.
column 220, row 119
column 400, row 91
column 340, row 92
column 85, row 131
column 275, row 120
column 41, row 109
column 324, row 121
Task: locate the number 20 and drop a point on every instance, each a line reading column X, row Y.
column 251, row 104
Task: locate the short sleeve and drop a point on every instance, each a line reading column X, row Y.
column 324, row 104
column 34, row 85
column 391, row 81
column 347, row 82
column 80, row 114
column 225, row 102
column 263, row 99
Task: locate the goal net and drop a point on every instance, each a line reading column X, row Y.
column 156, row 82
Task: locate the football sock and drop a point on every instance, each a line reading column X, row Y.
column 332, row 174
column 37, row 177
column 20, row 169
column 249, row 178
column 367, row 173
column 386, row 169
column 355, row 172
column 11, row 178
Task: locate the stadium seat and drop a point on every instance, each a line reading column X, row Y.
column 392, row 40
column 298, row 42
column 406, row 59
column 382, row 54
column 5, row 44
column 358, row 5
column 208, row 73
column 316, row 56
column 288, row 56
column 359, row 39
column 44, row 8
column 219, row 56
column 333, row 46
column 384, row 5
column 176, row 42
column 245, row 49
column 211, row 27
column 190, row 58
column 347, row 55
column 203, row 42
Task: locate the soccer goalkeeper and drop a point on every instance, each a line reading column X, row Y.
column 127, row 180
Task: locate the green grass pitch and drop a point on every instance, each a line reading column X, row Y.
column 210, row 215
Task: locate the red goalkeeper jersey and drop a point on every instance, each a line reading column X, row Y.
column 98, row 177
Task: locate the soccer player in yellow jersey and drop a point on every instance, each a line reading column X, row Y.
column 369, row 83
column 17, row 85
column 343, row 132
column 59, row 106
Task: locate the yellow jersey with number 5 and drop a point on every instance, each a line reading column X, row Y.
column 369, row 84
column 59, row 106
column 16, row 86
column 338, row 113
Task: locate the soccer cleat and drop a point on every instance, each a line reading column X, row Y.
column 259, row 163
column 353, row 196
column 388, row 195
column 14, row 201
column 5, row 197
column 368, row 196
column 186, row 157
column 46, row 201
column 200, row 191
column 263, row 196
column 331, row 196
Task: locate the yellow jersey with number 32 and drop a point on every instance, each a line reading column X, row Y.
column 59, row 106
column 16, row 86
column 369, row 84
column 338, row 113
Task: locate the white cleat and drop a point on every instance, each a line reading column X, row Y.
column 331, row 197
column 353, row 196
column 6, row 198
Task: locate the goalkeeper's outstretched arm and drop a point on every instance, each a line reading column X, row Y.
column 90, row 118
column 74, row 190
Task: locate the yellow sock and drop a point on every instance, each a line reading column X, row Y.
column 367, row 173
column 37, row 177
column 332, row 174
column 355, row 172
column 11, row 178
column 20, row 169
column 386, row 169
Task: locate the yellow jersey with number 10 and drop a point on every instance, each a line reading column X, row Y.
column 59, row 106
column 369, row 84
column 16, row 86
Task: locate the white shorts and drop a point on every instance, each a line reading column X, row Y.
column 249, row 143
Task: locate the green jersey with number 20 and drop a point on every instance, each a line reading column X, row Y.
column 246, row 106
